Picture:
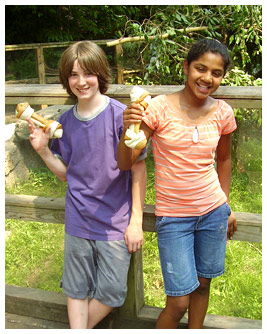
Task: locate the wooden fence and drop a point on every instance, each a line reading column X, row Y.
column 48, row 309
column 40, row 59
column 54, row 94
column 39, row 47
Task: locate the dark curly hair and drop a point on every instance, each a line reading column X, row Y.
column 209, row 45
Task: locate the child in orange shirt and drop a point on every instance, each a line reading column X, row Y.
column 193, row 211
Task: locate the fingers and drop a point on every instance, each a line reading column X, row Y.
column 47, row 131
column 229, row 233
column 232, row 227
column 32, row 127
column 134, row 113
column 133, row 246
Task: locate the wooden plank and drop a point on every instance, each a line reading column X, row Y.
column 52, row 307
column 234, row 92
column 15, row 321
column 39, row 100
column 52, row 210
column 51, row 94
column 16, row 47
column 212, row 321
column 37, row 303
column 34, row 208
column 35, row 201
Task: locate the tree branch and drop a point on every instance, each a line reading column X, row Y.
column 142, row 38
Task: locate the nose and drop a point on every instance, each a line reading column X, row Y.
column 207, row 76
column 81, row 80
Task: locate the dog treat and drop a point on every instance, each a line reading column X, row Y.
column 134, row 137
column 24, row 112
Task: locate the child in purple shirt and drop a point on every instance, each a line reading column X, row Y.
column 104, row 205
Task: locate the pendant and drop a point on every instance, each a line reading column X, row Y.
column 195, row 135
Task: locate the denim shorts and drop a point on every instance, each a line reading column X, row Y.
column 190, row 247
column 97, row 269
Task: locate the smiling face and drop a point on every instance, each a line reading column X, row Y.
column 204, row 75
column 83, row 84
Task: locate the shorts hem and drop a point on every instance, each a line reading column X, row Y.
column 183, row 292
column 211, row 275
column 77, row 295
column 117, row 304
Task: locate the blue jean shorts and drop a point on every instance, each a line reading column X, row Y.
column 190, row 247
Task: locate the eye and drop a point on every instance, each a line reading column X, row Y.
column 89, row 75
column 218, row 74
column 201, row 69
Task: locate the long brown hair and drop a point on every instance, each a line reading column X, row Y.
column 91, row 58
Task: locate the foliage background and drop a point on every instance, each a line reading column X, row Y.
column 159, row 60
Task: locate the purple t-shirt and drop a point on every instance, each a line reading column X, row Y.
column 98, row 199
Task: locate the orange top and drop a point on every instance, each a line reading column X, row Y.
column 186, row 180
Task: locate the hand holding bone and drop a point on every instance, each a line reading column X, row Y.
column 134, row 137
column 24, row 112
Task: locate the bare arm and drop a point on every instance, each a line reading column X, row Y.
column 134, row 233
column 39, row 141
column 224, row 170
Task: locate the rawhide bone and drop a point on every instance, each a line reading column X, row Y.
column 24, row 112
column 134, row 137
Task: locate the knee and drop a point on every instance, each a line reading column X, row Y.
column 204, row 286
column 177, row 306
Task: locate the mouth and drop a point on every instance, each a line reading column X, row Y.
column 203, row 89
column 83, row 90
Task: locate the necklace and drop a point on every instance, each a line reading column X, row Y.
column 195, row 135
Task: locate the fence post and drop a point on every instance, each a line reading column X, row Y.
column 41, row 64
column 119, row 53
column 135, row 295
column 41, row 68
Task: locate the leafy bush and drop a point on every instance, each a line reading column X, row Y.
column 22, row 67
column 238, row 27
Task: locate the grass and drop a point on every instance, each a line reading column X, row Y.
column 34, row 251
column 34, row 254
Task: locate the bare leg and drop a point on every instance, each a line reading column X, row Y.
column 173, row 312
column 84, row 315
column 96, row 312
column 78, row 313
column 198, row 305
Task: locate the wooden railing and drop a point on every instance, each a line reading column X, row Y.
column 40, row 59
column 117, row 43
column 53, row 94
column 134, row 313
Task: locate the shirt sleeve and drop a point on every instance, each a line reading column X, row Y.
column 228, row 120
column 155, row 113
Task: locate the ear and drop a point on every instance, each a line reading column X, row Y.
column 185, row 67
